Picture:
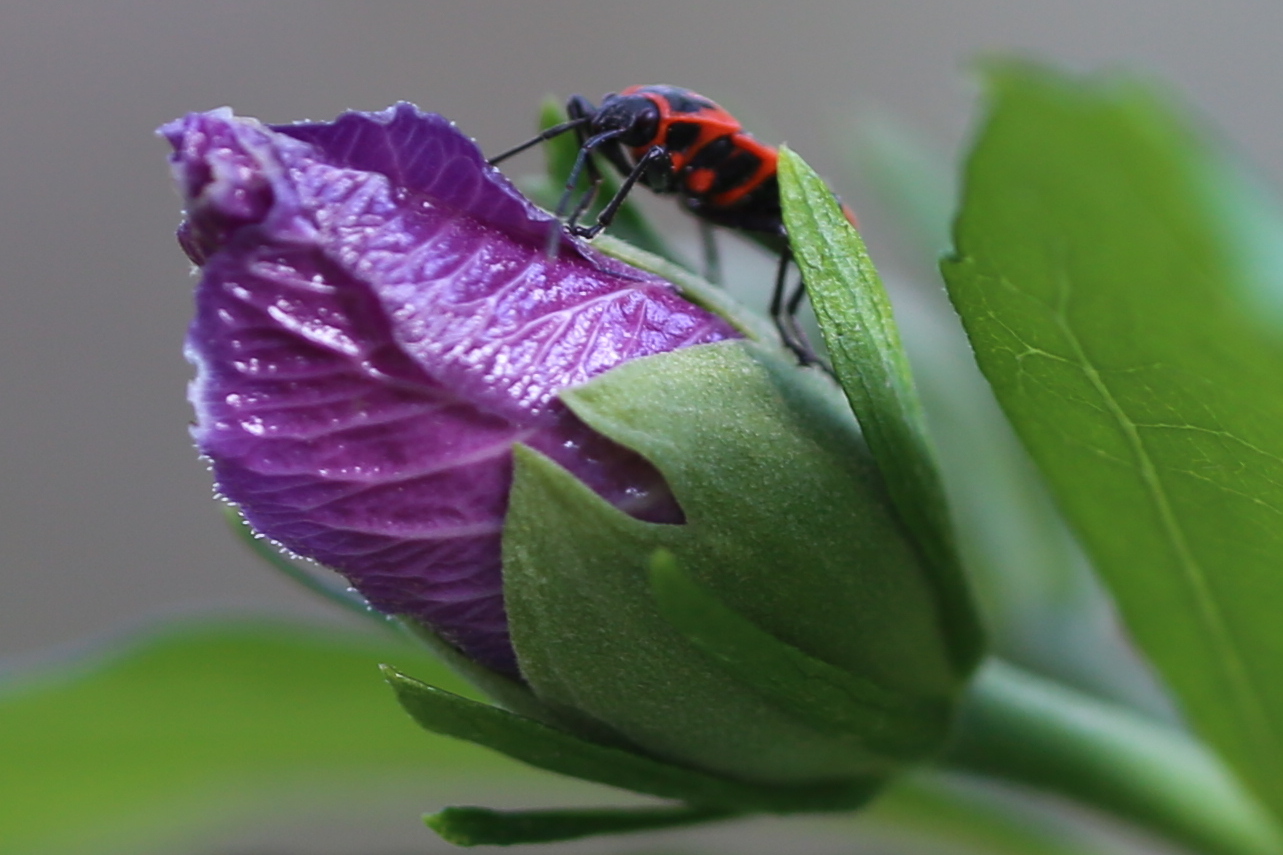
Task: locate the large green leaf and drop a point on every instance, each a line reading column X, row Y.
column 1104, row 291
column 1042, row 605
column 206, row 725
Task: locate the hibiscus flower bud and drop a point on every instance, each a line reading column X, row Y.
column 565, row 470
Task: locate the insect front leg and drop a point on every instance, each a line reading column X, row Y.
column 784, row 315
column 582, row 160
column 712, row 258
column 653, row 158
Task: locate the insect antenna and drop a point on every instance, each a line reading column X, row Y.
column 547, row 134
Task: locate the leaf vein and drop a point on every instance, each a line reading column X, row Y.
column 1244, row 694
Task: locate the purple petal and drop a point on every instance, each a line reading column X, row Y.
column 376, row 324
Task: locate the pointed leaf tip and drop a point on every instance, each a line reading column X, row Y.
column 476, row 826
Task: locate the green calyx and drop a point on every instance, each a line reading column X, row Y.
column 789, row 534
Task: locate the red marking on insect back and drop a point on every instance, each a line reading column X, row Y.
column 700, row 180
column 766, row 170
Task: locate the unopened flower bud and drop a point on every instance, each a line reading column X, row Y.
column 556, row 463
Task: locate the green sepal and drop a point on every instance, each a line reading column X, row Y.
column 555, row 750
column 862, row 339
column 510, row 694
column 476, row 826
column 1122, row 315
column 885, row 721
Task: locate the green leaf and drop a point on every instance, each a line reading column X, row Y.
column 205, row 726
column 1108, row 304
column 555, row 750
column 862, row 340
column 473, row 826
column 1042, row 606
column 828, row 698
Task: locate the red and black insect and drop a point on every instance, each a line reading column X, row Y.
column 677, row 142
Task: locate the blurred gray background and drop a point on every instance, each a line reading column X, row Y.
column 106, row 517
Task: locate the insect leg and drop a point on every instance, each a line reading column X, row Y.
column 784, row 315
column 584, row 157
column 585, row 202
column 712, row 258
column 647, row 160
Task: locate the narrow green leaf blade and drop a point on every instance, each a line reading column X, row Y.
column 474, row 826
column 826, row 697
column 862, row 339
column 1103, row 292
column 558, row 751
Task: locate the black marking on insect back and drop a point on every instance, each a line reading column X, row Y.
column 712, row 153
column 681, row 135
column 734, row 171
column 730, row 164
column 758, row 211
column 682, row 100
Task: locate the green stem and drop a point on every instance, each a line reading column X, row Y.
column 1030, row 731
